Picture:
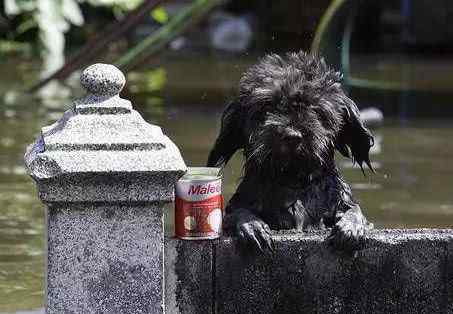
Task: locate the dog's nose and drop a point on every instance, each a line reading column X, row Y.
column 292, row 135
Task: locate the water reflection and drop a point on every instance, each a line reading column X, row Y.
column 412, row 186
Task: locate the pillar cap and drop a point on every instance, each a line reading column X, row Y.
column 101, row 149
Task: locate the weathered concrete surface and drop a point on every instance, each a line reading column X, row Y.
column 397, row 271
column 188, row 276
column 104, row 259
column 449, row 277
column 105, row 175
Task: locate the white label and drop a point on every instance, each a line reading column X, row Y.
column 198, row 190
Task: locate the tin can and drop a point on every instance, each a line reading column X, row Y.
column 199, row 204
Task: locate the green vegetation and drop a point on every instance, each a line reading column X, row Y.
column 174, row 27
column 41, row 25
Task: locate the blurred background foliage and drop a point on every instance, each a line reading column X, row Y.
column 40, row 26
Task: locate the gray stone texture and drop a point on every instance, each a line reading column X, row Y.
column 102, row 79
column 105, row 175
column 397, row 271
column 188, row 276
column 104, row 259
column 449, row 277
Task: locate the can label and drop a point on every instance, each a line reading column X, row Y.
column 198, row 206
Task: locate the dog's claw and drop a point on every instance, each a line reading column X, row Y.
column 255, row 240
column 256, row 233
column 267, row 239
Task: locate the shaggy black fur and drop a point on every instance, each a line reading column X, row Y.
column 290, row 116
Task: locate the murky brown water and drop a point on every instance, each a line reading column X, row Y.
column 413, row 186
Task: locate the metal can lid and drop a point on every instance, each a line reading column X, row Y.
column 201, row 174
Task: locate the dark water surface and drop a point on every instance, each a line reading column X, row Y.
column 413, row 186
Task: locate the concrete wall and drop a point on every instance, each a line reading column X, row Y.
column 398, row 271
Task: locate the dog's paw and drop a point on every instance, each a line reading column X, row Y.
column 256, row 233
column 349, row 231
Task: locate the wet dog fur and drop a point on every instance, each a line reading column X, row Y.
column 289, row 117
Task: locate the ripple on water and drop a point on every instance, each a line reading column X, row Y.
column 15, row 170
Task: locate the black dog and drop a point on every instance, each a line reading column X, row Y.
column 290, row 116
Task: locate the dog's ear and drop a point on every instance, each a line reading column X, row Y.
column 230, row 138
column 354, row 139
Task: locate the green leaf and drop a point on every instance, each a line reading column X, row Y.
column 26, row 25
column 7, row 46
column 123, row 5
column 156, row 79
column 71, row 11
column 49, row 16
column 160, row 15
column 11, row 7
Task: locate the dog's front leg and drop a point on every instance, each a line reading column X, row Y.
column 348, row 223
column 251, row 230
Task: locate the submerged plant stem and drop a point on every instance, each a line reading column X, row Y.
column 174, row 27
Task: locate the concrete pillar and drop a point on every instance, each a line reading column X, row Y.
column 105, row 175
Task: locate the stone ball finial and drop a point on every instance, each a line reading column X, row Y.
column 103, row 79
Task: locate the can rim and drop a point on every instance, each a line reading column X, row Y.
column 213, row 172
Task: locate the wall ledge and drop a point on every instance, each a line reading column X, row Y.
column 397, row 271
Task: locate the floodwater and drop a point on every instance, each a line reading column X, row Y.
column 412, row 186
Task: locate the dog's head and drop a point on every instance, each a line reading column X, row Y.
column 298, row 114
